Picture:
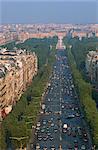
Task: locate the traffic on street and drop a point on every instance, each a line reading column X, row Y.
column 61, row 125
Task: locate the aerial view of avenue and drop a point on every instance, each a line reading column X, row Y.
column 49, row 75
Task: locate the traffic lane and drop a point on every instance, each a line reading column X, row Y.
column 55, row 136
column 52, row 93
column 67, row 139
column 75, row 121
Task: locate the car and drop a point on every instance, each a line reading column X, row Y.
column 65, row 126
column 49, row 100
column 73, row 108
column 70, row 106
column 42, row 130
column 37, row 128
column 73, row 132
column 85, row 139
column 38, row 124
column 52, row 147
column 44, row 122
column 45, row 148
column 50, row 138
column 55, row 130
column 62, row 106
column 69, row 131
column 64, row 130
column 39, row 137
column 45, row 138
column 75, row 141
column 51, row 119
column 75, row 144
column 57, row 112
column 37, row 146
column 52, row 124
column 77, row 115
column 83, row 147
column 48, row 133
column 79, row 131
column 76, row 108
column 41, row 112
column 36, row 132
column 70, row 116
column 84, row 134
column 49, row 112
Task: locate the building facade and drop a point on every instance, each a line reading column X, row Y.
column 92, row 66
column 17, row 69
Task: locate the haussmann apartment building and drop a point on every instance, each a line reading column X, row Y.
column 17, row 69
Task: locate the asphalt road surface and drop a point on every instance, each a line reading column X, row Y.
column 61, row 125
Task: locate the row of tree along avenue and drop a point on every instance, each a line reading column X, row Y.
column 80, row 49
column 85, row 95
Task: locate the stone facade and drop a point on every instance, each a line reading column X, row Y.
column 17, row 69
column 92, row 66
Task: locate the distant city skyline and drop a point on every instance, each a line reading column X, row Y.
column 75, row 12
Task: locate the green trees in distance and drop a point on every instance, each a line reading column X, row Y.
column 40, row 46
column 25, row 113
column 86, row 100
column 80, row 48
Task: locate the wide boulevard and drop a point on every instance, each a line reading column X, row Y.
column 61, row 125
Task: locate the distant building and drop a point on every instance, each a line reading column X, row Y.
column 92, row 66
column 8, row 37
column 17, row 68
column 79, row 34
column 96, row 34
column 22, row 36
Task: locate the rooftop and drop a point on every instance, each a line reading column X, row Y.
column 11, row 59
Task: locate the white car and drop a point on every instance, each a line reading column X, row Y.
column 65, row 126
column 41, row 112
column 83, row 147
column 38, row 124
column 37, row 146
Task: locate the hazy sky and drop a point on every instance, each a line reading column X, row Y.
column 49, row 11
